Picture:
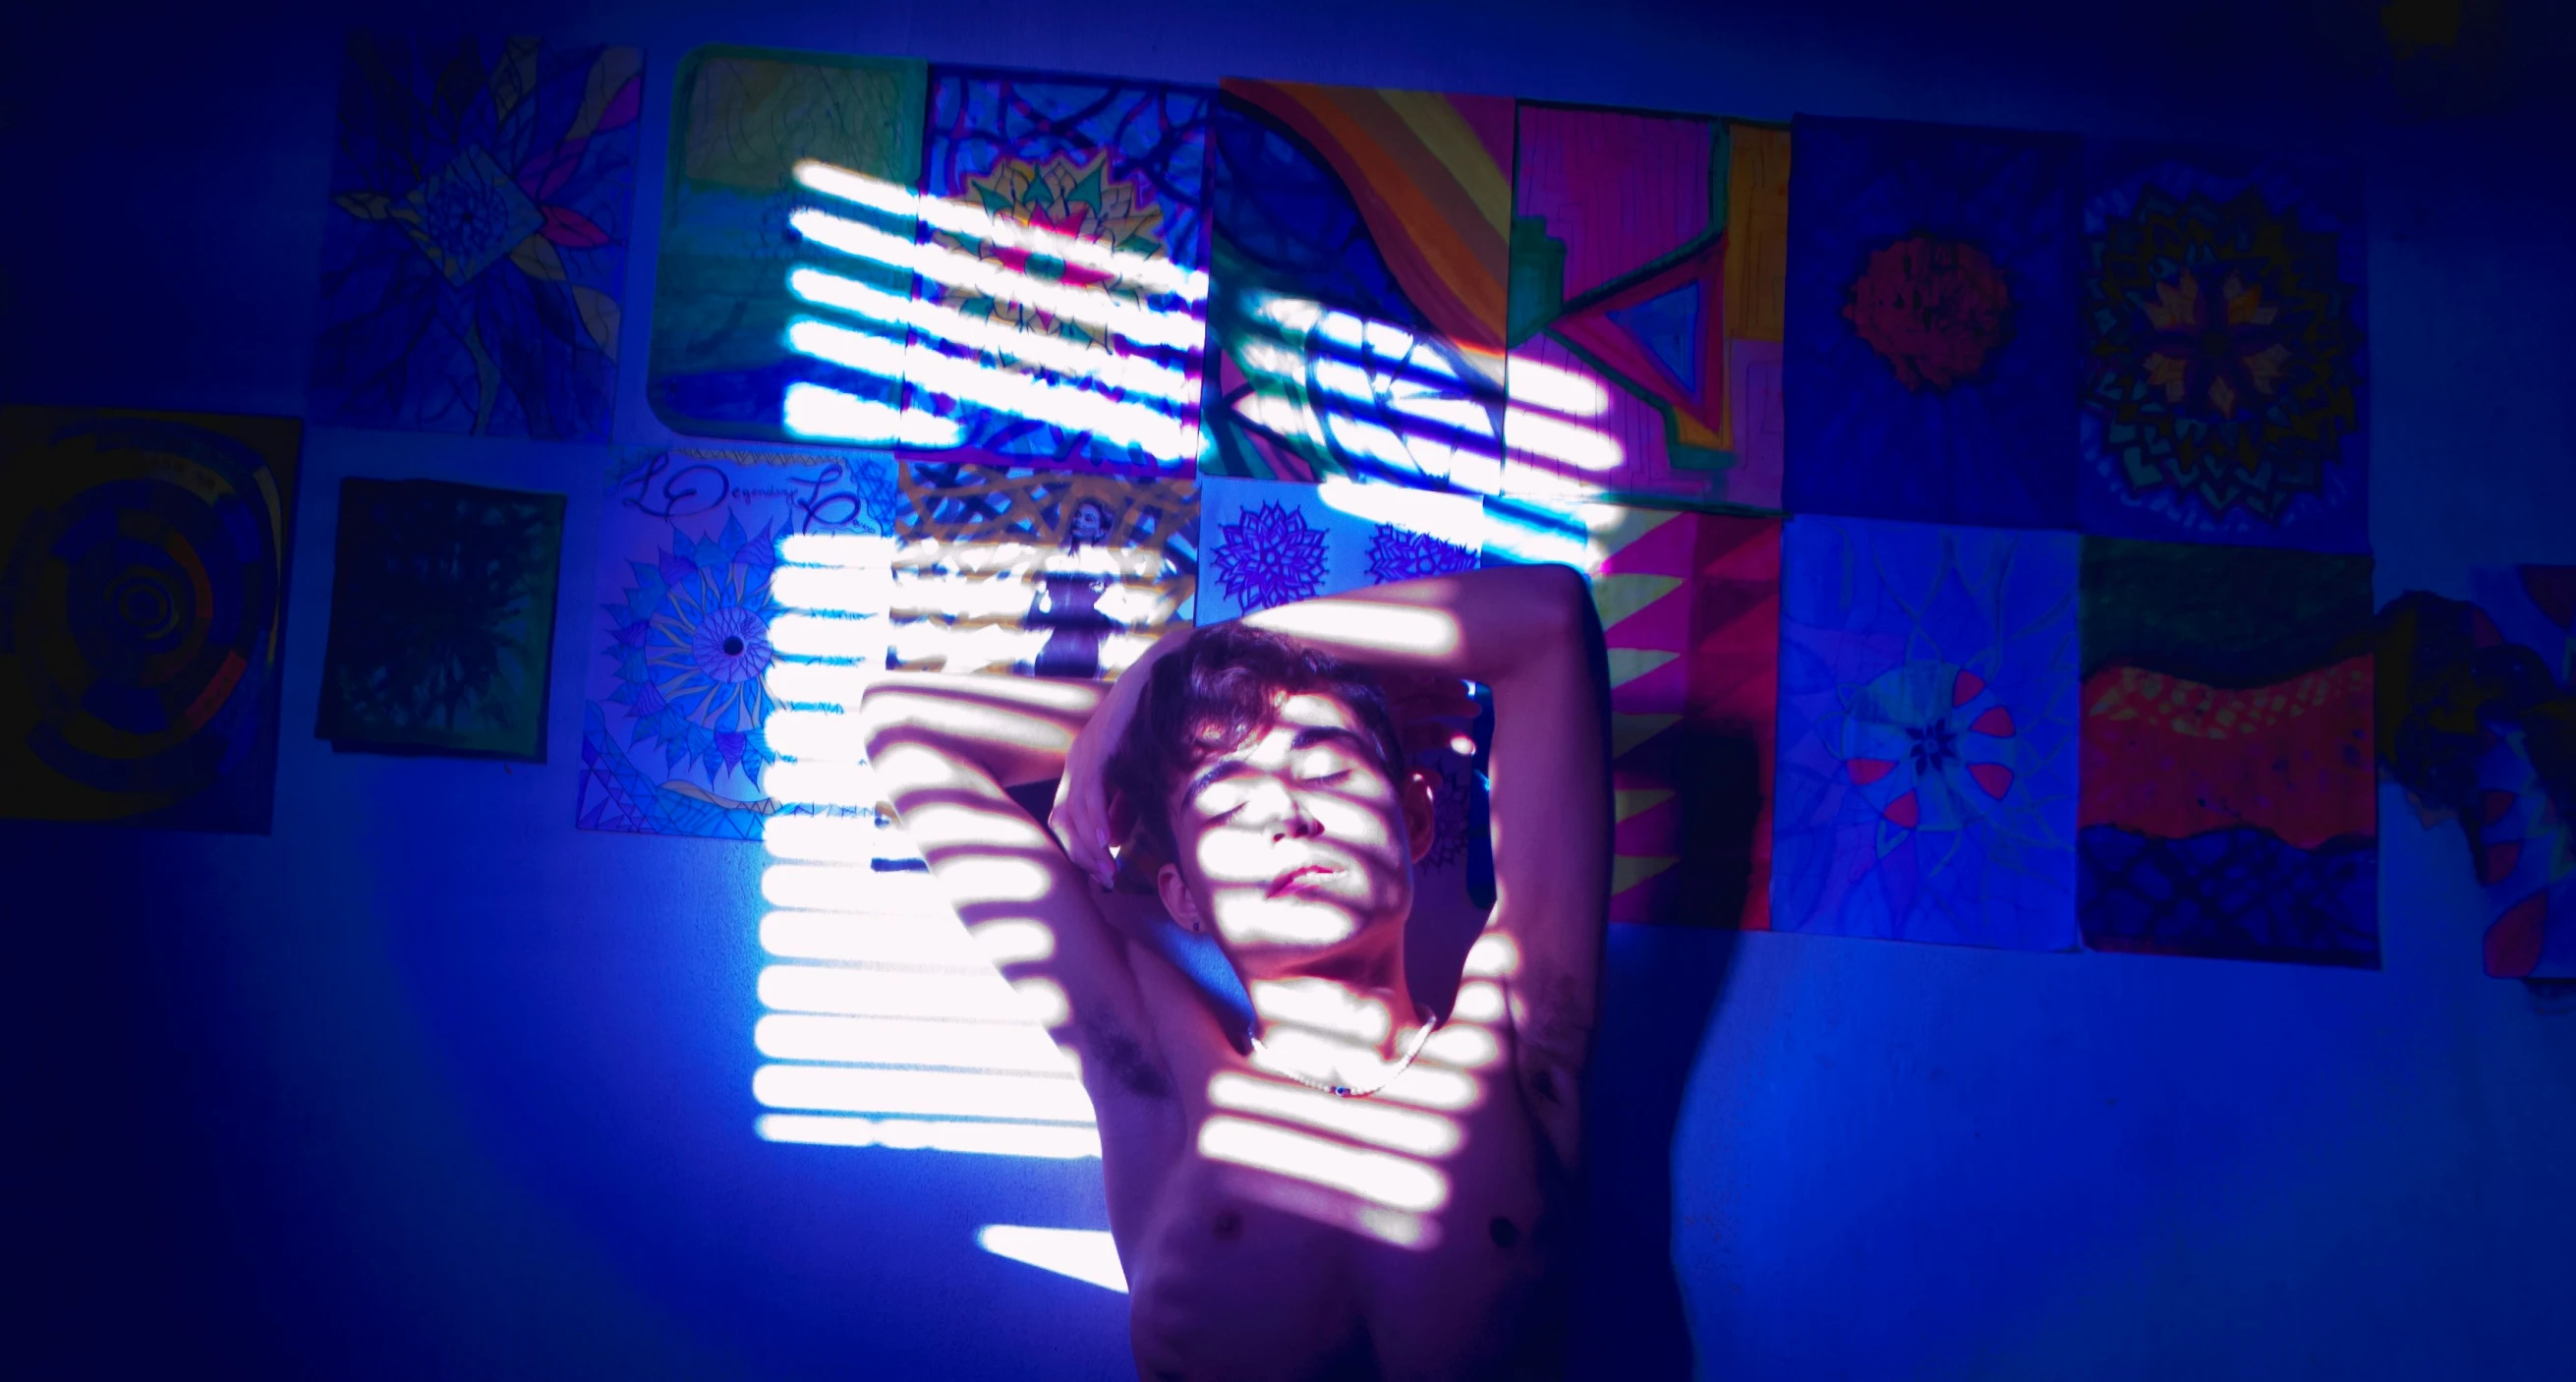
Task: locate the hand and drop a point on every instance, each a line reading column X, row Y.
column 1085, row 819
column 1431, row 711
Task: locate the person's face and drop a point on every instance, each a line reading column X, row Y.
column 1296, row 842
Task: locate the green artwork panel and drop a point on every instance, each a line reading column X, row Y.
column 735, row 218
column 442, row 619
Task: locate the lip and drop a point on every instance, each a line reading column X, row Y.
column 1300, row 878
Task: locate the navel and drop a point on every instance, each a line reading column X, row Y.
column 1505, row 1232
column 1229, row 1226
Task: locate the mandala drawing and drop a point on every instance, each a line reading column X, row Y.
column 1360, row 252
column 2224, row 357
column 1401, row 554
column 2228, row 808
column 2483, row 736
column 142, row 601
column 442, row 620
column 741, row 120
column 1927, row 735
column 676, row 697
column 1648, row 266
column 1040, row 572
column 475, row 254
column 1690, row 614
column 1269, row 557
column 1119, row 168
column 1272, row 542
column 1452, row 795
column 1932, row 355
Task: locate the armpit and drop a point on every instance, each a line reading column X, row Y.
column 1554, row 1037
column 1126, row 1063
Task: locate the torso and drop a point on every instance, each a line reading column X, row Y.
column 1238, row 1272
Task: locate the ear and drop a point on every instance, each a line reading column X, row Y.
column 1421, row 821
column 1177, row 901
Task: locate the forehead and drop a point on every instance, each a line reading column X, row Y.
column 1289, row 716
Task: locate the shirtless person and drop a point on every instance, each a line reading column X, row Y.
column 1348, row 1180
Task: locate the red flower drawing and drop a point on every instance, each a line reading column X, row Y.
column 1934, row 308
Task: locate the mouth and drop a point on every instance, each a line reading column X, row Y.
column 1303, row 878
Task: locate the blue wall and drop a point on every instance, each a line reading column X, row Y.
column 428, row 1083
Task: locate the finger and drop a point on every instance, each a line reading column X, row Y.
column 1060, row 825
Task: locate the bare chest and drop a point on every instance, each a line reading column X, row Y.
column 1296, row 1234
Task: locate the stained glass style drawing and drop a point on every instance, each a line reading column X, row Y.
column 676, row 700
column 742, row 120
column 2225, row 362
column 1932, row 354
column 474, row 258
column 1039, row 572
column 1120, row 167
column 142, row 601
column 442, row 620
column 1271, row 542
column 1690, row 614
column 2228, row 807
column 2477, row 721
column 1649, row 262
column 1927, row 734
column 1361, row 248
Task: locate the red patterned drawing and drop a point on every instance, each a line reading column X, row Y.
column 1934, row 308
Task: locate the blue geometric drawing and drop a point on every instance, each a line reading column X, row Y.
column 1119, row 168
column 474, row 258
column 1668, row 326
column 1927, row 734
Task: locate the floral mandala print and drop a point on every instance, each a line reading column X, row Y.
column 1401, row 554
column 1930, row 745
column 1449, row 798
column 1075, row 199
column 692, row 650
column 1928, row 704
column 1935, row 309
column 1269, row 556
column 2223, row 352
column 476, row 250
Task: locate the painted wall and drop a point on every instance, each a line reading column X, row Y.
column 428, row 1083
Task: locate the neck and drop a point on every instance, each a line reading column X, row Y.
column 1353, row 998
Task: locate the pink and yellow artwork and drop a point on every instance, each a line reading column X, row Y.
column 1649, row 259
column 1690, row 612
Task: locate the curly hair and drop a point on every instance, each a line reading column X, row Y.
column 1217, row 690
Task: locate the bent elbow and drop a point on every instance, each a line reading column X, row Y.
column 1563, row 597
column 883, row 714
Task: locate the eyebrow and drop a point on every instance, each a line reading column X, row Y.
column 1306, row 738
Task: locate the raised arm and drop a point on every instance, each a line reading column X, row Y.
column 1528, row 632
column 943, row 748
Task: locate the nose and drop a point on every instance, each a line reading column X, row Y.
column 1284, row 811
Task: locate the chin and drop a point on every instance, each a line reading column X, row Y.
column 1298, row 926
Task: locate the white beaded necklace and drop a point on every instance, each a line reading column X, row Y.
column 1403, row 1063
